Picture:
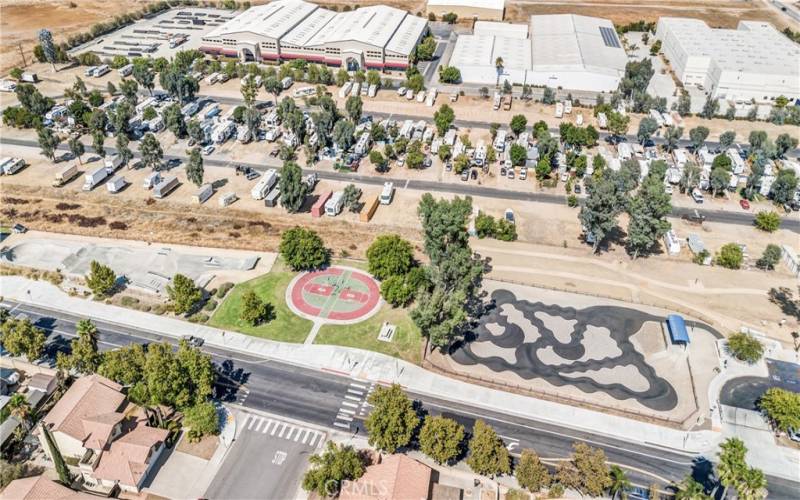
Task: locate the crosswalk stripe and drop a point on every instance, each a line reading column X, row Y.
column 358, row 386
column 339, row 424
column 267, row 427
column 258, row 427
column 275, row 429
column 283, row 431
column 345, row 410
column 313, row 439
column 351, row 405
column 344, row 417
column 353, row 391
column 308, row 435
column 252, row 420
column 352, row 398
column 297, row 436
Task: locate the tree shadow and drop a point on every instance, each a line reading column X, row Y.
column 783, row 297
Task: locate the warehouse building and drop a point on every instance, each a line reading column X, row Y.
column 490, row 10
column 375, row 37
column 754, row 61
column 560, row 51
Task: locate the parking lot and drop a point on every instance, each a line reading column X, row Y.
column 267, row 460
column 150, row 37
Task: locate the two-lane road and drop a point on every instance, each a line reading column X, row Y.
column 316, row 397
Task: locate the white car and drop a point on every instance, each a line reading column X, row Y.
column 401, row 91
column 208, row 150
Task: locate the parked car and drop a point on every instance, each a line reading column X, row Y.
column 509, row 216
column 474, row 174
column 193, row 341
column 744, row 204
column 465, row 175
column 208, row 150
column 577, row 189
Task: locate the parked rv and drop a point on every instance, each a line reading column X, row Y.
column 65, row 175
column 29, row 77
column 334, row 205
column 264, row 184
column 100, row 70
column 112, row 163
column 345, row 89
column 287, row 82
column 387, row 194
column 125, row 70
column 273, row 197
column 203, row 194
column 11, row 166
column 227, row 199
column 373, row 90
column 151, row 180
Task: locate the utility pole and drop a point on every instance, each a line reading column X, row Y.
column 22, row 53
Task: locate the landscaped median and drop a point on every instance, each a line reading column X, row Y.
column 271, row 287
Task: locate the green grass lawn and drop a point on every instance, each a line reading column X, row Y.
column 285, row 327
column 406, row 344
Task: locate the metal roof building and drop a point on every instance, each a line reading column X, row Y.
column 468, row 9
column 568, row 51
column 370, row 37
column 754, row 61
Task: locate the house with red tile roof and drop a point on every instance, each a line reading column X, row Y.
column 395, row 477
column 95, row 424
column 41, row 488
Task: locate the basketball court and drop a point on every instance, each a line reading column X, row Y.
column 334, row 295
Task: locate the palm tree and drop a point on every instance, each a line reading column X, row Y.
column 752, row 485
column 732, row 466
column 619, row 482
column 689, row 489
column 19, row 408
column 498, row 64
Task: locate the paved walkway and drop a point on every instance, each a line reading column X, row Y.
column 378, row 367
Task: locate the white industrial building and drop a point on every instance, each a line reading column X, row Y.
column 560, row 51
column 754, row 61
column 375, row 37
column 491, row 10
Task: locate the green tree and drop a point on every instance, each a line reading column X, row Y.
column 710, row 108
column 378, row 160
column 598, row 214
column 689, row 489
column 76, row 147
column 354, row 106
column 343, row 134
column 183, row 293
column 292, row 188
column 129, row 89
column 672, row 135
column 174, row 121
column 543, row 168
column 647, row 127
column 619, row 482
column 48, row 142
column 770, row 258
column 518, row 154
column 10, row 471
column 124, row 365
column 782, row 408
column 444, row 118
column 648, row 212
column 19, row 408
column 397, row 290
column 415, row 157
column 698, row 136
column 531, row 473
column 488, row 455
column 98, row 140
column 590, row 464
column 518, row 124
column 768, row 221
column 249, row 91
column 731, row 466
column 726, row 139
column 784, row 186
column 390, row 255
column 440, row 438
column 143, row 73
column 303, row 249
column 255, row 310
column 201, row 419
column 618, row 124
column 195, row 131
column 150, row 149
column 350, row 196
column 101, row 279
column 730, row 256
column 392, row 421
column 485, row 225
column 449, row 74
column 64, row 476
column 745, row 347
column 328, row 470
column 690, row 178
column 194, row 167
column 785, row 142
column 123, row 151
column 84, row 356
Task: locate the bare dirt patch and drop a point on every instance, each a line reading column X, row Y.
column 204, row 448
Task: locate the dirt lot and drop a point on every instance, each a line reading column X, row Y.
column 718, row 13
column 20, row 20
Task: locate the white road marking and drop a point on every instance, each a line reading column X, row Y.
column 314, row 439
column 297, row 436
column 266, row 429
column 357, row 393
column 276, row 428
column 348, row 403
column 344, row 417
column 251, row 421
column 345, row 410
column 344, row 426
column 352, row 398
column 280, row 434
column 358, row 386
column 308, row 435
column 508, row 438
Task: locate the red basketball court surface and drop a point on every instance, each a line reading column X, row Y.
column 336, row 294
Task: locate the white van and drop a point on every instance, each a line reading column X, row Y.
column 697, row 196
column 387, row 194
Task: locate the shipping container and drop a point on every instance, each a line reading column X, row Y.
column 227, row 199
column 272, row 199
column 116, row 184
column 112, row 163
column 369, row 209
column 319, row 206
column 203, row 194
column 151, row 180
column 165, row 187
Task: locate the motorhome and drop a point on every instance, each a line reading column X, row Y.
column 165, row 187
column 407, row 130
column 150, row 101
column 222, row 131
column 362, row 145
column 243, row 134
column 264, row 184
column 190, row 109
column 125, row 70
column 89, row 71
column 345, row 89
column 334, row 205
column 655, row 115
column 498, row 99
column 56, row 112
column 450, row 137
column 29, row 77
column 355, row 89
column 421, row 97
column 151, row 180
column 65, row 175
column 156, row 124
column 272, row 119
column 287, row 82
column 568, row 106
column 387, row 194
column 227, row 199
column 559, row 110
column 430, row 100
column 480, row 155
column 7, row 86
column 602, row 120
column 12, row 166
column 500, row 141
column 212, row 78
column 373, row 90
column 116, row 184
column 272, row 134
column 303, row 92
column 93, row 178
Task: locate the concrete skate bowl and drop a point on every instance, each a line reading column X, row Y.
column 586, row 349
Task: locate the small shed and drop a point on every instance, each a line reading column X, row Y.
column 677, row 329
